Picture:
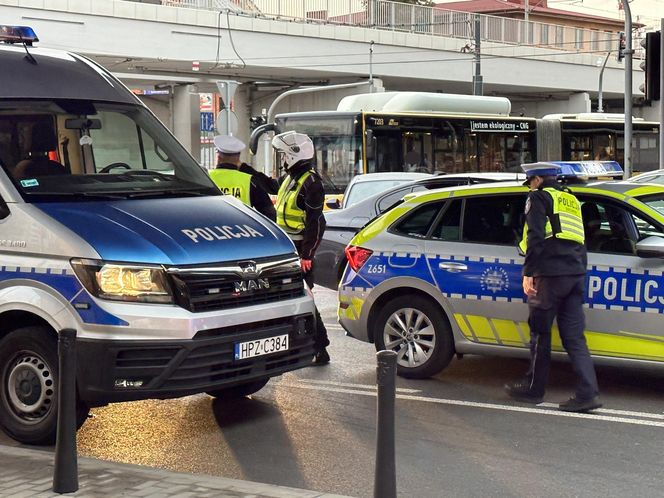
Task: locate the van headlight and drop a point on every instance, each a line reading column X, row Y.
column 124, row 282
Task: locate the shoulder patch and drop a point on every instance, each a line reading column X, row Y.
column 527, row 205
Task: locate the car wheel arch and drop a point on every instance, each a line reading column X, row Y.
column 402, row 287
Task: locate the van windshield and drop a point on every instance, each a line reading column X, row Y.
column 56, row 150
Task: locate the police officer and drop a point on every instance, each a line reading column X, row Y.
column 300, row 212
column 554, row 283
column 232, row 181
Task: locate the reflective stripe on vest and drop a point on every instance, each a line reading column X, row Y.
column 566, row 213
column 289, row 216
column 233, row 182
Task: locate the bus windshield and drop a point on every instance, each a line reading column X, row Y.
column 337, row 142
column 56, row 150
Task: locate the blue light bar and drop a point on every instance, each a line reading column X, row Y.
column 588, row 169
column 17, row 34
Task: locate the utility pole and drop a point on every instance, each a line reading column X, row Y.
column 628, row 90
column 600, row 107
column 525, row 11
column 477, row 77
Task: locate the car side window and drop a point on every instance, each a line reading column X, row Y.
column 493, row 220
column 449, row 226
column 391, row 198
column 418, row 222
column 608, row 227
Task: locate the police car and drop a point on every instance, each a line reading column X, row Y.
column 111, row 228
column 440, row 273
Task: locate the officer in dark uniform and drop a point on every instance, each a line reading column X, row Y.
column 554, row 282
column 300, row 213
column 231, row 181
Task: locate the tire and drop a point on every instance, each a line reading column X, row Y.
column 417, row 330
column 237, row 392
column 28, row 386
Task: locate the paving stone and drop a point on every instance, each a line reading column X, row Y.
column 28, row 473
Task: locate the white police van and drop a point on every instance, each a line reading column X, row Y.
column 108, row 226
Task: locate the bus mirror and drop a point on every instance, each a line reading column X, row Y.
column 371, row 145
column 256, row 134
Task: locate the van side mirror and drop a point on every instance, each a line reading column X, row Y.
column 650, row 247
column 370, row 145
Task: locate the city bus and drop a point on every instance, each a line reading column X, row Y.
column 445, row 133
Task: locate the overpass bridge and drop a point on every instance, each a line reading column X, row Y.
column 182, row 47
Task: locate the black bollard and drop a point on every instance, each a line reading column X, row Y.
column 65, row 473
column 385, row 483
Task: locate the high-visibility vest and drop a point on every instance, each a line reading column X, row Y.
column 289, row 216
column 233, row 182
column 566, row 213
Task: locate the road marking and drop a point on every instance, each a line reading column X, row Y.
column 491, row 406
column 358, row 386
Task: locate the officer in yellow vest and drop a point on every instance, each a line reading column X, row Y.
column 554, row 273
column 300, row 212
column 233, row 182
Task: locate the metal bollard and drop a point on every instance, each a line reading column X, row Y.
column 65, row 473
column 385, row 483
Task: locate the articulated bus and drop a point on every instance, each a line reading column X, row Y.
column 429, row 132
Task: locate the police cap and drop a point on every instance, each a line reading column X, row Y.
column 539, row 169
column 227, row 144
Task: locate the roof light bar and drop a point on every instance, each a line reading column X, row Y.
column 17, row 34
column 588, row 169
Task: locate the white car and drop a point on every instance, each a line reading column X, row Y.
column 363, row 186
column 656, row 176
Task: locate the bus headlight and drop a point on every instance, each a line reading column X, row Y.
column 124, row 282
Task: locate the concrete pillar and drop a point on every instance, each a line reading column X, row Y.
column 579, row 102
column 186, row 118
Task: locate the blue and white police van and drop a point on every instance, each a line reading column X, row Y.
column 110, row 227
column 440, row 273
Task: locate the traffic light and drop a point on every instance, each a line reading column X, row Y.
column 256, row 121
column 622, row 44
column 652, row 65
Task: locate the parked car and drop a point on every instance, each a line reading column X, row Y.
column 440, row 274
column 343, row 224
column 656, row 176
column 363, row 186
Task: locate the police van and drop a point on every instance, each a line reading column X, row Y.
column 110, row 227
column 440, row 273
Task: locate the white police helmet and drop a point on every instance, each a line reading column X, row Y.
column 294, row 146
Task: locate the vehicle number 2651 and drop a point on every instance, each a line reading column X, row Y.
column 375, row 269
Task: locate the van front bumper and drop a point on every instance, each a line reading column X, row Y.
column 126, row 370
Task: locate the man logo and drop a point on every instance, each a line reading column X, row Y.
column 248, row 267
column 251, row 285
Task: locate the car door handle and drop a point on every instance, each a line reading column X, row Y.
column 453, row 267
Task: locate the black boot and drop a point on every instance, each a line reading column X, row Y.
column 321, row 358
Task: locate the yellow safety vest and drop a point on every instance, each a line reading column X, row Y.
column 289, row 216
column 567, row 212
column 233, row 182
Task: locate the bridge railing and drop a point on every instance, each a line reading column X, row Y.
column 409, row 18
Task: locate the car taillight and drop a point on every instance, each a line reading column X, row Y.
column 357, row 256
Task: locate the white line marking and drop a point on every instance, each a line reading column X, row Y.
column 508, row 408
column 358, row 386
column 624, row 413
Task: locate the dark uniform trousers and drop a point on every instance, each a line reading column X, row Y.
column 559, row 297
column 321, row 340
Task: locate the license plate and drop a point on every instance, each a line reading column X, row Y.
column 259, row 347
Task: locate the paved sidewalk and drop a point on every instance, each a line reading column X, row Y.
column 29, row 473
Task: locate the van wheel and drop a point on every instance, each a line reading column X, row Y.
column 28, row 382
column 240, row 391
column 416, row 329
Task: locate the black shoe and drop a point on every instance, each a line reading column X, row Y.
column 575, row 404
column 321, row 358
column 520, row 391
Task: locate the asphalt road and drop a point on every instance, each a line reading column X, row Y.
column 457, row 434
